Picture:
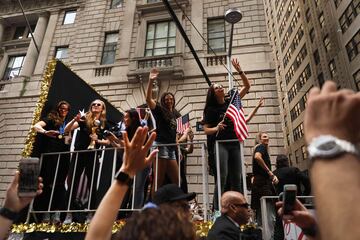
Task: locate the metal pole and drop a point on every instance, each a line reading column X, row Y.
column 218, row 177
column 205, row 183
column 229, row 58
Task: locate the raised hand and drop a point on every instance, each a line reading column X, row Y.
column 236, row 64
column 154, row 73
column 135, row 157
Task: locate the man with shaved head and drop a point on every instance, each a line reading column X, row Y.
column 235, row 212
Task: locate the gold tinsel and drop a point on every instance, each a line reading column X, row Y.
column 44, row 90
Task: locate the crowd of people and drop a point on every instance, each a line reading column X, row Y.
column 330, row 130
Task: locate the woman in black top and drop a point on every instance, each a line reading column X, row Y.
column 52, row 127
column 165, row 115
column 92, row 127
column 264, row 178
column 223, row 129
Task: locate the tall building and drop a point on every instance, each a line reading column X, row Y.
column 312, row 41
column 112, row 44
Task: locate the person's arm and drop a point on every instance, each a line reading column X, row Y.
column 213, row 130
column 73, row 124
column 190, row 147
column 245, row 89
column 14, row 203
column 39, row 128
column 336, row 181
column 152, row 77
column 259, row 159
column 134, row 160
column 253, row 112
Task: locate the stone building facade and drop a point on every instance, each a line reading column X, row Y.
column 108, row 44
column 312, row 41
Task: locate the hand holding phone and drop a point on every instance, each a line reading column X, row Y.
column 289, row 197
column 29, row 173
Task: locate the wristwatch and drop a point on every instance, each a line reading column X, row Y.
column 327, row 146
column 9, row 214
column 123, row 178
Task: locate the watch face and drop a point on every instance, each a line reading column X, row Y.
column 327, row 146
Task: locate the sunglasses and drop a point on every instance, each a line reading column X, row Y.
column 218, row 87
column 64, row 109
column 243, row 205
column 96, row 104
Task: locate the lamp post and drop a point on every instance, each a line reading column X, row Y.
column 232, row 16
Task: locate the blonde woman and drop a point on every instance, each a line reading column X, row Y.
column 91, row 128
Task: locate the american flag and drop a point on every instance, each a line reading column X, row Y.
column 235, row 112
column 182, row 123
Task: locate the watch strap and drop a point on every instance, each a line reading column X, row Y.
column 123, row 178
column 9, row 214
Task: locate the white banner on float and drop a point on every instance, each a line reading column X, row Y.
column 292, row 232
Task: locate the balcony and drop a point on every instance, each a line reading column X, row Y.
column 156, row 6
column 170, row 66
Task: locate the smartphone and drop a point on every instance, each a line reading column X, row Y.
column 29, row 174
column 289, row 197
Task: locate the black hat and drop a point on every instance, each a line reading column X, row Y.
column 171, row 193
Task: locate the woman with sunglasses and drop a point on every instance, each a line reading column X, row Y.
column 91, row 129
column 52, row 129
column 165, row 115
column 222, row 128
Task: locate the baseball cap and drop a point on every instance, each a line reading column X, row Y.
column 171, row 193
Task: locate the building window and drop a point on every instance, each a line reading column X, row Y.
column 69, row 17
column 298, row 132
column 349, row 15
column 216, row 35
column 304, row 152
column 160, row 38
column 321, row 19
column 308, row 15
column 297, row 156
column 332, row 68
column 288, row 139
column 153, row 1
column 327, row 43
column 316, row 57
column 14, row 66
column 109, row 50
column 321, row 79
column 356, row 77
column 19, row 32
column 116, row 4
column 61, row 52
column 312, row 34
column 352, row 47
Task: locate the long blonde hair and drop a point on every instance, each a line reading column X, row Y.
column 90, row 117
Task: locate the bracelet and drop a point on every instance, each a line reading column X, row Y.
column 9, row 214
column 241, row 72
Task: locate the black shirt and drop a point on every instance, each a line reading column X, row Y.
column 83, row 135
column 257, row 169
column 54, row 144
column 214, row 115
column 166, row 127
column 292, row 175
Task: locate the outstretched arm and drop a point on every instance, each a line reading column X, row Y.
column 245, row 89
column 253, row 112
column 72, row 124
column 134, row 160
column 152, row 77
column 335, row 181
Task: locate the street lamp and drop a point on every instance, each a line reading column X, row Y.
column 232, row 16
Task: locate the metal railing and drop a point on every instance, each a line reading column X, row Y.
column 102, row 155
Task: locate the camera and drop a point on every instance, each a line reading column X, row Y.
column 29, row 173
